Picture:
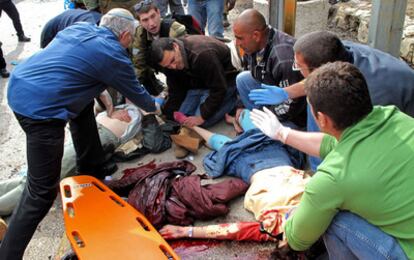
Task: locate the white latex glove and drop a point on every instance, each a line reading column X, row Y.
column 268, row 123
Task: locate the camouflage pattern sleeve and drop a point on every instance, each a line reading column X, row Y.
column 177, row 30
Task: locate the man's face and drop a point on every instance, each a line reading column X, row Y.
column 151, row 21
column 173, row 59
column 301, row 65
column 245, row 40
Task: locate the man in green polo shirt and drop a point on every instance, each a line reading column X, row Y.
column 361, row 198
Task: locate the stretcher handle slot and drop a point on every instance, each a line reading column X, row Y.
column 67, row 191
column 143, row 224
column 98, row 186
column 118, row 202
column 79, row 241
column 166, row 252
column 70, row 210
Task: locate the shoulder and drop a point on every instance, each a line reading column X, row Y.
column 177, row 30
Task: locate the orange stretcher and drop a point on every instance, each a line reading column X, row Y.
column 100, row 225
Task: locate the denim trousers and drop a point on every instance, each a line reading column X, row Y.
column 352, row 237
column 245, row 83
column 210, row 13
column 196, row 97
column 312, row 127
column 176, row 7
column 44, row 149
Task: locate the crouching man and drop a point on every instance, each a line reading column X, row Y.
column 200, row 78
column 361, row 198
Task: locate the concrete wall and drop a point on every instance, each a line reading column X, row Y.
column 311, row 15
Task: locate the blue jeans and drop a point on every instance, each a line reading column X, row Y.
column 245, row 83
column 176, row 7
column 351, row 237
column 208, row 12
column 196, row 97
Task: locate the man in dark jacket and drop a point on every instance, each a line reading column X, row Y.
column 65, row 19
column 200, row 77
column 269, row 57
column 151, row 27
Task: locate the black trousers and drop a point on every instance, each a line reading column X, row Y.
column 2, row 61
column 45, row 142
column 10, row 9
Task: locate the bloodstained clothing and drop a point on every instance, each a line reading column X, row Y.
column 165, row 193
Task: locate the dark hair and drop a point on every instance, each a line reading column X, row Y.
column 158, row 47
column 318, row 48
column 144, row 7
column 340, row 91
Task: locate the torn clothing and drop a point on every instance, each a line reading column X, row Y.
column 166, row 193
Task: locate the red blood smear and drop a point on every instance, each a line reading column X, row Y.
column 191, row 248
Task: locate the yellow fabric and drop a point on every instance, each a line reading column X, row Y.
column 273, row 193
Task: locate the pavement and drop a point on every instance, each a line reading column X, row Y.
column 45, row 243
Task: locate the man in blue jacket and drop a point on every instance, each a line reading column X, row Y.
column 390, row 80
column 55, row 86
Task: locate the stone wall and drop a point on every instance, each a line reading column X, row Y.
column 355, row 16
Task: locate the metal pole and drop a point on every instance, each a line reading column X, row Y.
column 386, row 25
column 282, row 15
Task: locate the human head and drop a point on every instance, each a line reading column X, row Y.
column 149, row 16
column 339, row 91
column 121, row 22
column 166, row 53
column 250, row 31
column 314, row 49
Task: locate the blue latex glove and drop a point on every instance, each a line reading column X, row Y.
column 159, row 101
column 268, row 95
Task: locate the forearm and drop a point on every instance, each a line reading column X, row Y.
column 296, row 90
column 308, row 143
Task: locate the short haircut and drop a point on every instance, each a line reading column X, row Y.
column 144, row 7
column 119, row 20
column 158, row 47
column 318, row 48
column 340, row 91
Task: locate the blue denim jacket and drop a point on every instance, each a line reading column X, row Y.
column 249, row 153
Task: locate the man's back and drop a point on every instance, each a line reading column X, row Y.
column 65, row 19
column 61, row 80
column 390, row 81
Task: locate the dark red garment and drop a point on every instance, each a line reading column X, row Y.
column 167, row 194
column 201, row 202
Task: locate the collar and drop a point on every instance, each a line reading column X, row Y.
column 183, row 53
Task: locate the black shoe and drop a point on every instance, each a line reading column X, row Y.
column 107, row 169
column 23, row 38
column 226, row 22
column 4, row 73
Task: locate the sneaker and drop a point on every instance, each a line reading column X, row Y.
column 23, row 38
column 3, row 228
column 4, row 73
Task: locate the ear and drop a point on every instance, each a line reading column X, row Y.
column 256, row 36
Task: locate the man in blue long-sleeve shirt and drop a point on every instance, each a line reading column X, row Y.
column 55, row 86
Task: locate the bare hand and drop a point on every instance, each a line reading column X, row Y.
column 173, row 232
column 193, row 121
